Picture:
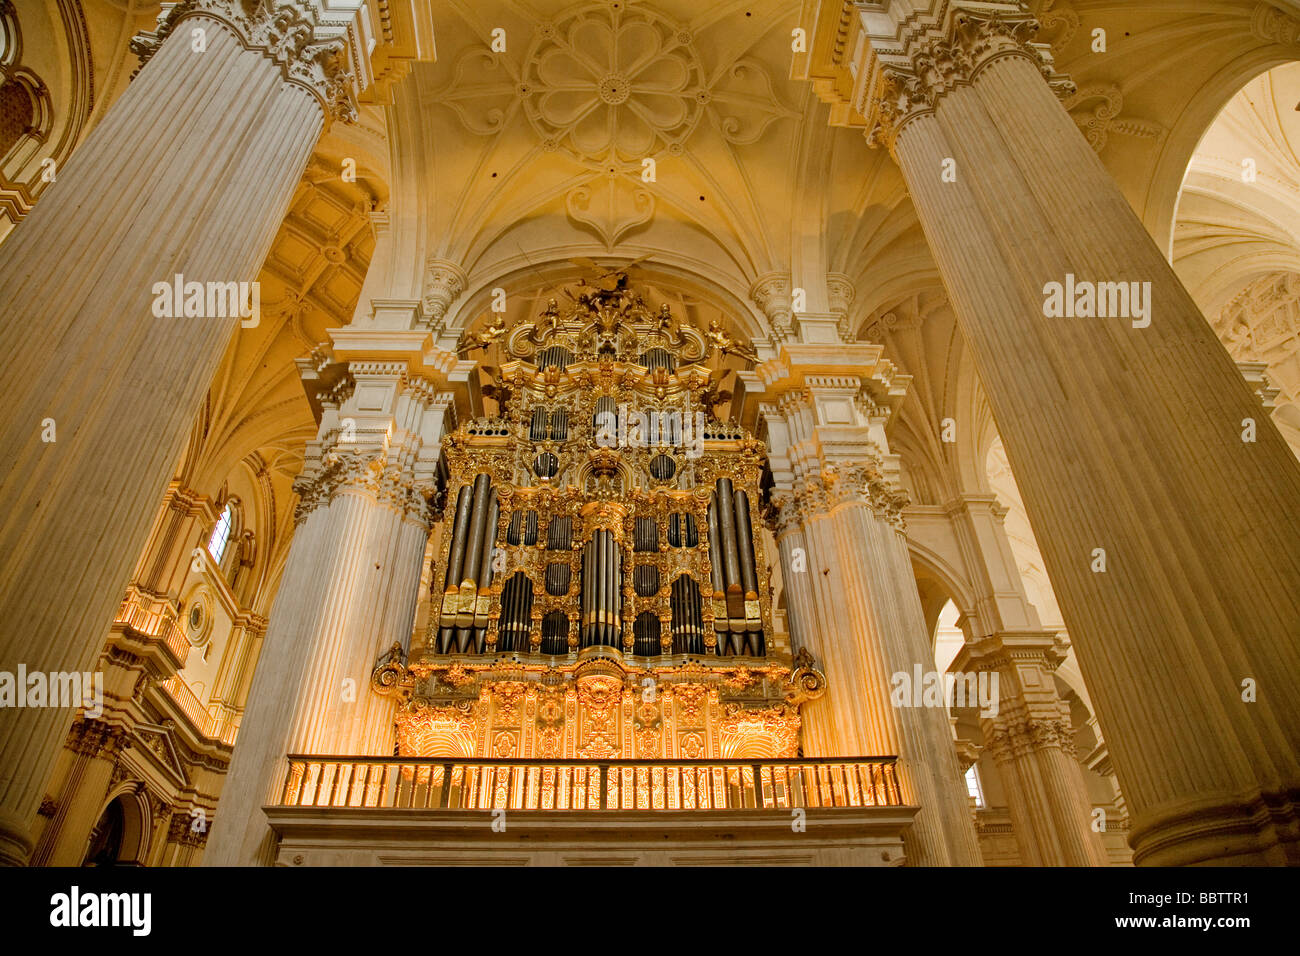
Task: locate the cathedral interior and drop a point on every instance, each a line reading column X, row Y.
column 637, row 431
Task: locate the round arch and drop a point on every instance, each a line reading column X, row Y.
column 1164, row 192
column 553, row 269
column 122, row 829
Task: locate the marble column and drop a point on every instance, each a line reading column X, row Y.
column 1125, row 435
column 189, row 173
column 349, row 593
column 1030, row 736
column 851, row 593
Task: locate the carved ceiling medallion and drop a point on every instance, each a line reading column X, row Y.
column 613, row 85
column 609, row 85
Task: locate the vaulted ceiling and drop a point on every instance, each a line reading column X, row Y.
column 511, row 162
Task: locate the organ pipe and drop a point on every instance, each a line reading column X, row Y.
column 588, row 586
column 459, row 534
column 484, row 579
column 730, row 552
column 474, row 550
column 715, row 553
column 745, row 543
column 601, row 591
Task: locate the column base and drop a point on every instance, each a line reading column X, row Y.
column 1253, row 829
column 16, row 842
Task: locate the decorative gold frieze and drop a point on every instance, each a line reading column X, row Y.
column 601, row 708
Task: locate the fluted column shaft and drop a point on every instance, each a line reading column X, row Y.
column 857, row 563
column 1128, row 440
column 1030, row 736
column 1045, row 792
column 349, row 591
column 189, row 173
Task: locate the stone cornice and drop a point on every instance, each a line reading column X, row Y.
column 286, row 32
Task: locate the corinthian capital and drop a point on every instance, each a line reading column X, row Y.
column 287, row 32
column 390, row 484
column 911, row 66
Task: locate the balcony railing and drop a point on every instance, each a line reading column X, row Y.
column 153, row 618
column 385, row 783
column 210, row 725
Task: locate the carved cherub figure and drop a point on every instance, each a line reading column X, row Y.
column 724, row 343
column 482, row 339
column 550, row 317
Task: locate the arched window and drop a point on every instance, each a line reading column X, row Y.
column 973, row 787
column 221, row 533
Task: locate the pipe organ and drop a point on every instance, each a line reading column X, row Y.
column 600, row 535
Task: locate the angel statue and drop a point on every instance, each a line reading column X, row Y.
column 484, row 338
column 724, row 343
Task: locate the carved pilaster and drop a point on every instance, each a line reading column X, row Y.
column 189, row 830
column 1013, row 737
column 836, row 485
column 390, row 485
column 93, row 738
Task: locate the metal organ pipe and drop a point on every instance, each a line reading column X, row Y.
column 459, row 533
column 455, row 561
column 608, row 602
column 745, row 541
column 715, row 552
column 602, row 587
column 616, row 592
column 674, row 604
column 697, row 615
column 601, row 595
column 489, row 545
column 587, row 587
column 478, row 527
column 724, row 497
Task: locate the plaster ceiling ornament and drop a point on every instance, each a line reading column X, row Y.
column 1059, row 21
column 610, row 85
column 613, row 85
column 1274, row 25
column 611, row 205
